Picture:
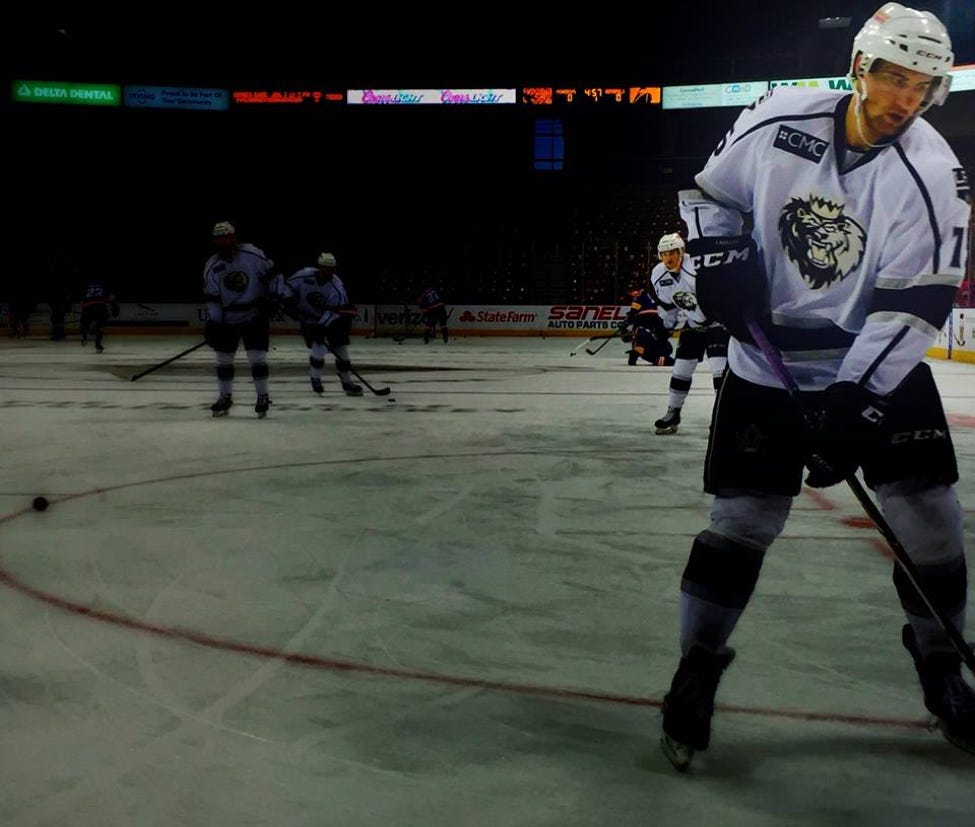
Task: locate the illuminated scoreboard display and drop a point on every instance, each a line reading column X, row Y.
column 591, row 95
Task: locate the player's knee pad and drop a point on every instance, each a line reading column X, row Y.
column 225, row 371
column 721, row 571
column 752, row 519
column 316, row 362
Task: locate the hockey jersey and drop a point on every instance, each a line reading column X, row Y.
column 236, row 291
column 311, row 301
column 863, row 251
column 677, row 297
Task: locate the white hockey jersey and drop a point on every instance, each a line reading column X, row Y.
column 236, row 291
column 311, row 302
column 677, row 297
column 863, row 252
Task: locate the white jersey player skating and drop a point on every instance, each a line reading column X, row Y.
column 236, row 285
column 674, row 283
column 317, row 298
column 838, row 225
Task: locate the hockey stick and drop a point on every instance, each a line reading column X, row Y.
column 581, row 345
column 170, row 359
column 378, row 391
column 900, row 554
column 605, row 341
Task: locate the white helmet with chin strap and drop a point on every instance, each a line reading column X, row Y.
column 670, row 241
column 909, row 38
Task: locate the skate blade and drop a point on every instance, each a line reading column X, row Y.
column 958, row 741
column 661, row 431
column 678, row 754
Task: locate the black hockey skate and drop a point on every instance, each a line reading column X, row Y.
column 223, row 405
column 668, row 423
column 316, row 385
column 688, row 707
column 352, row 389
column 946, row 694
column 263, row 403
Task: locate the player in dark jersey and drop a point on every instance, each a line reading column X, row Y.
column 645, row 332
column 96, row 305
column 433, row 314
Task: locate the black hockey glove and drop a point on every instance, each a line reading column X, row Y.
column 731, row 286
column 846, row 420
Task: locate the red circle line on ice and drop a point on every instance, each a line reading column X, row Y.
column 200, row 638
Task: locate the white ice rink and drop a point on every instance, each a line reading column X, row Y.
column 456, row 609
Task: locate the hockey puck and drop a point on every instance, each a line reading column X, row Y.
column 40, row 503
column 390, row 399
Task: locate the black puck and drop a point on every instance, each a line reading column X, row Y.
column 40, row 503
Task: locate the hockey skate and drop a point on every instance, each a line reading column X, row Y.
column 352, row 389
column 316, row 385
column 688, row 707
column 263, row 403
column 946, row 694
column 223, row 405
column 668, row 423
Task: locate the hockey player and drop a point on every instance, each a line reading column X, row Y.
column 674, row 283
column 860, row 213
column 236, row 283
column 648, row 338
column 317, row 298
column 96, row 304
column 433, row 314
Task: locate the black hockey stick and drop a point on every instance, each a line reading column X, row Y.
column 900, row 554
column 170, row 359
column 605, row 341
column 378, row 391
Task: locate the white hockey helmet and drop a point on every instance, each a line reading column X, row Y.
column 326, row 260
column 670, row 241
column 223, row 228
column 913, row 39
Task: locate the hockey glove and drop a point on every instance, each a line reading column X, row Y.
column 847, row 419
column 731, row 286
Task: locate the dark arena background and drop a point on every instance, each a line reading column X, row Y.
column 404, row 195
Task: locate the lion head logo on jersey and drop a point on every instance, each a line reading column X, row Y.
column 236, row 281
column 316, row 300
column 685, row 300
column 825, row 244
